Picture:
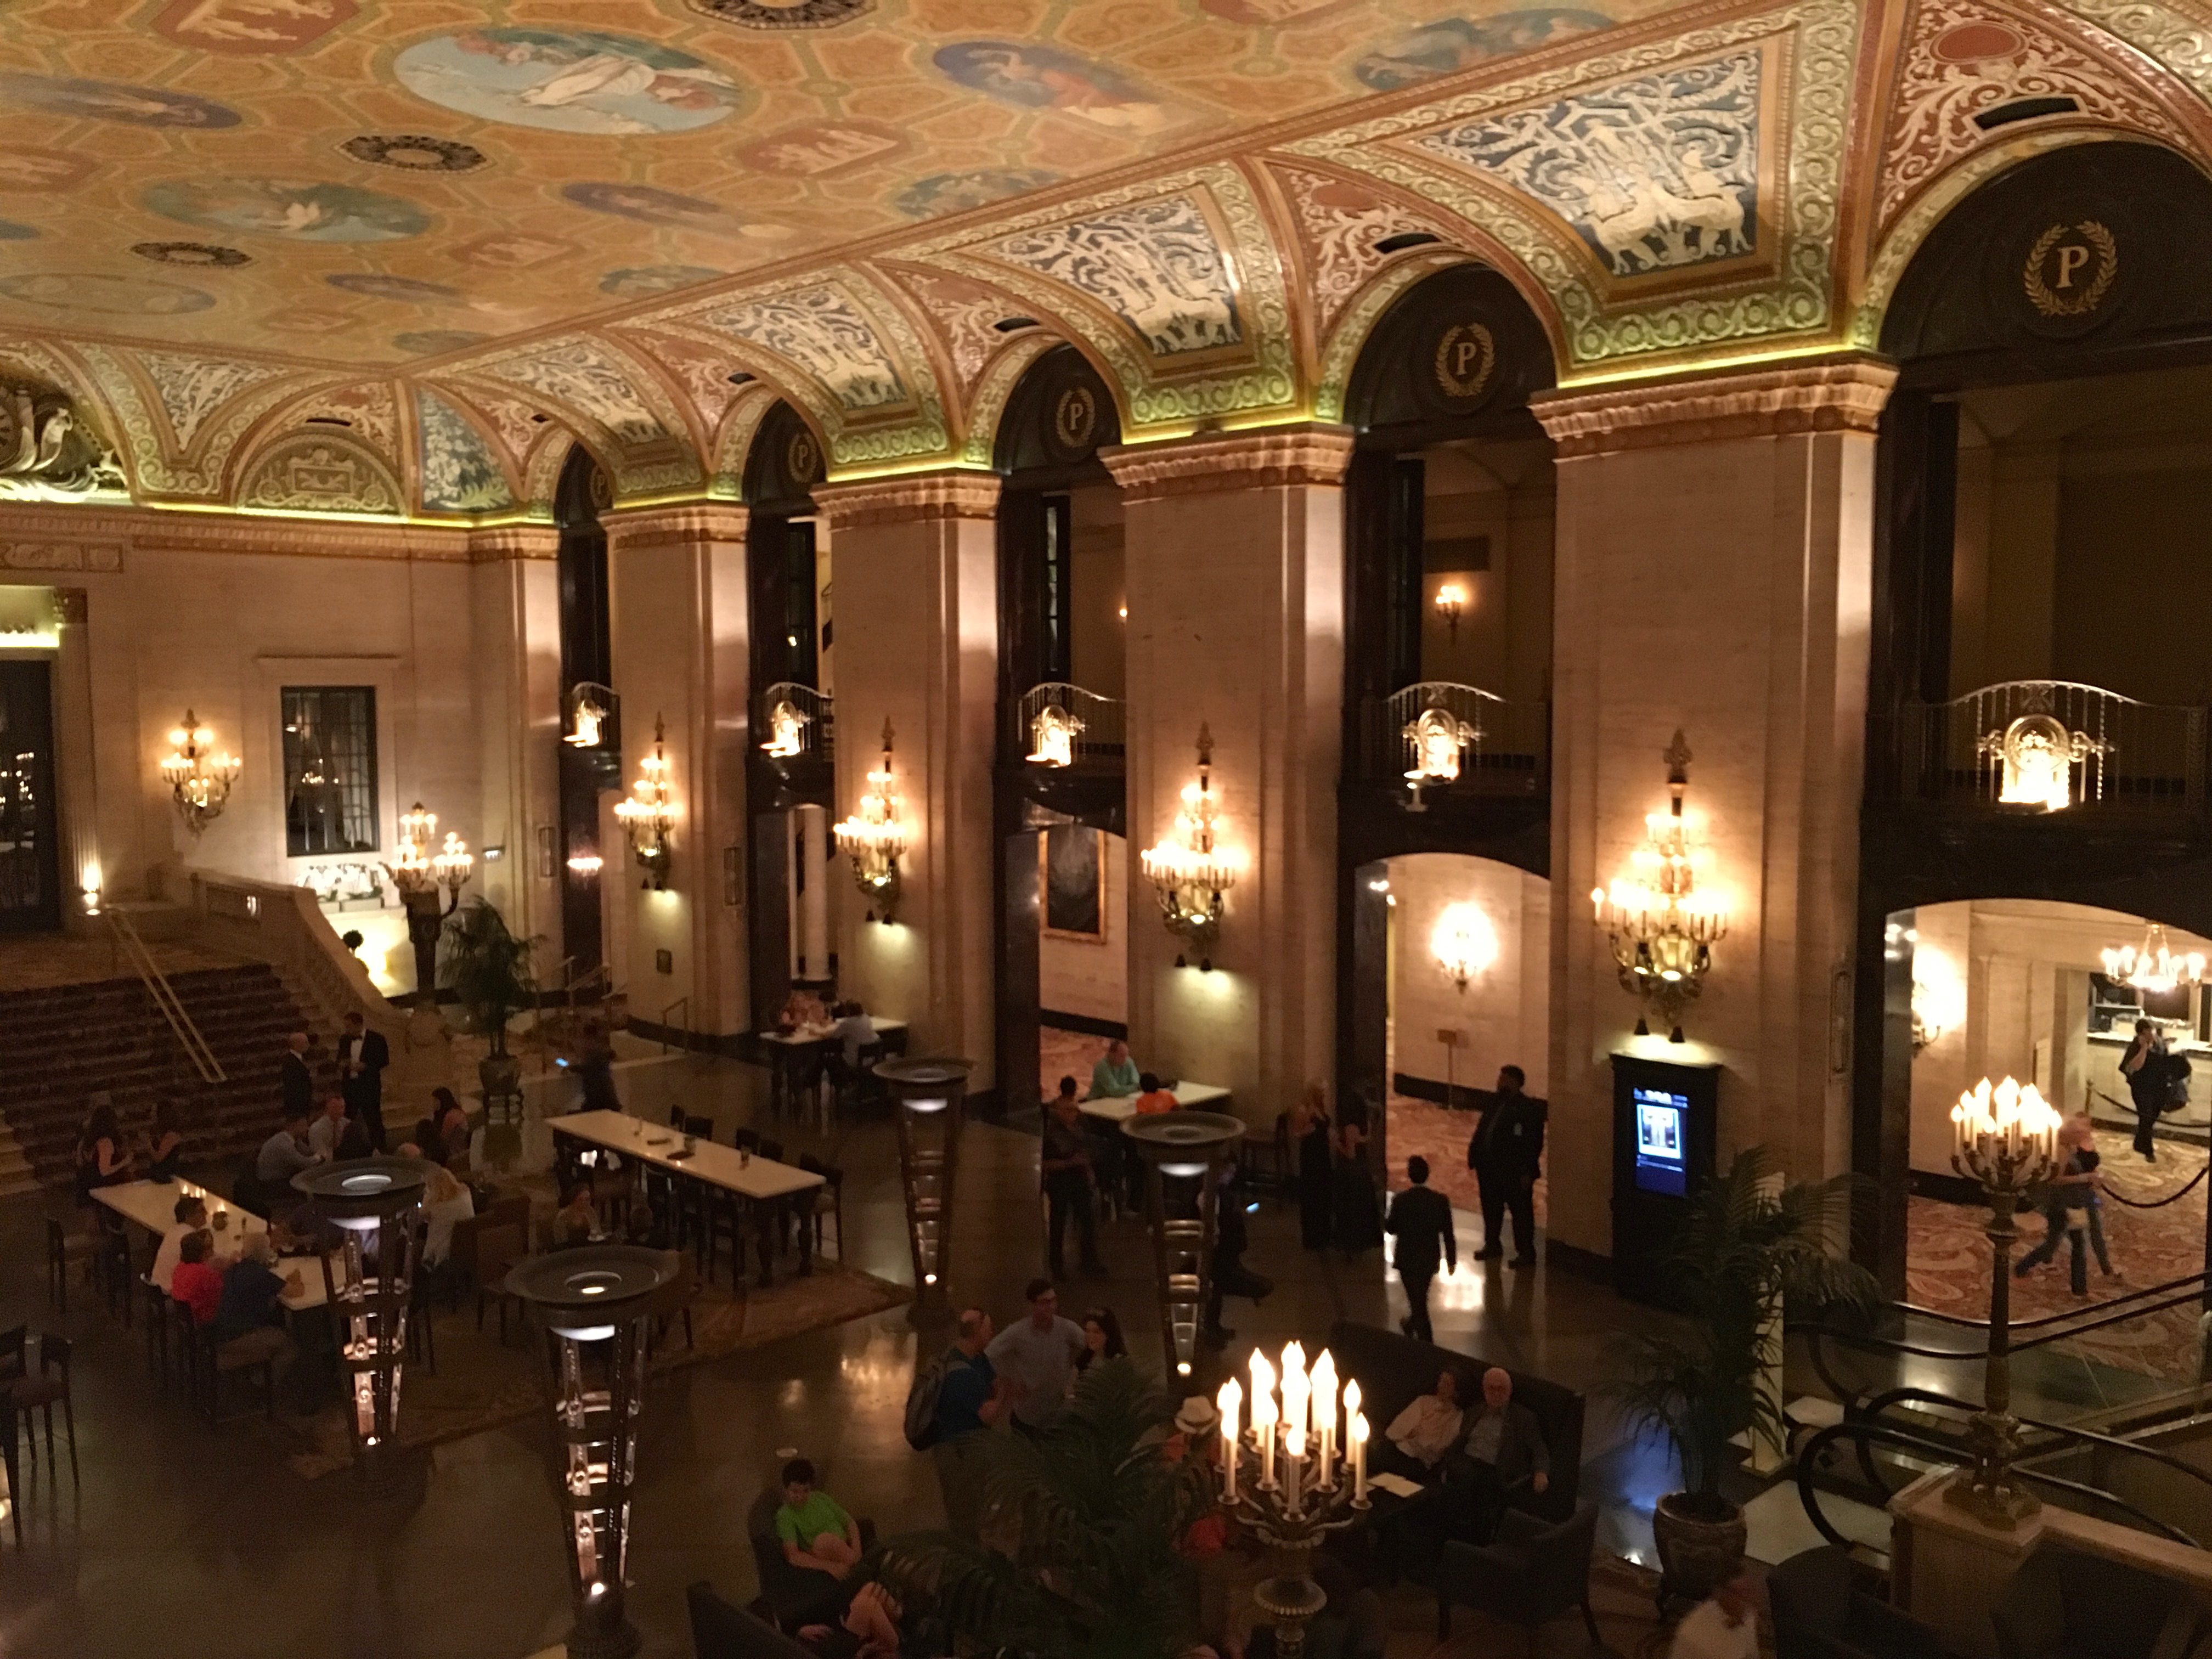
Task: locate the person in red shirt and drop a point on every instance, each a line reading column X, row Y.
column 1154, row 1098
column 197, row 1282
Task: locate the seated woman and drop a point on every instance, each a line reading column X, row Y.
column 576, row 1222
column 197, row 1282
column 165, row 1141
column 868, row 1630
column 1420, row 1435
column 101, row 1158
column 817, row 1535
column 252, row 1290
column 445, row 1202
column 443, row 1136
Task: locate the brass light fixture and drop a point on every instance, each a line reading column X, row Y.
column 591, row 711
column 198, row 777
column 646, row 818
column 2037, row 754
column 931, row 1096
column 1464, row 942
column 2157, row 967
column 1052, row 733
column 786, row 720
column 1191, row 873
column 1662, row 928
column 1451, row 601
column 1184, row 1153
column 874, row 838
column 419, row 873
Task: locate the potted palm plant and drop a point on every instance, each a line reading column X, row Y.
column 1084, row 1519
column 1749, row 1245
column 489, row 971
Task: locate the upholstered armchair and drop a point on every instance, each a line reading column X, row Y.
column 1534, row 1573
column 1818, row 1615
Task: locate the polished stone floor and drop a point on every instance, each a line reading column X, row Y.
column 182, row 1536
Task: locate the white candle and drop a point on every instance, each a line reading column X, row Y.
column 1324, row 1416
column 1263, row 1429
column 1294, row 1450
column 1358, row 1430
column 1228, row 1402
column 1296, row 1386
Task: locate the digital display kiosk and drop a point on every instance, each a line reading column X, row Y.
column 1663, row 1139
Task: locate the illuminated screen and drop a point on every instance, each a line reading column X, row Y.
column 1662, row 1127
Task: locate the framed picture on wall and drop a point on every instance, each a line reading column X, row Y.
column 1071, row 873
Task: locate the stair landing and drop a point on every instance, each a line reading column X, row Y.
column 39, row 962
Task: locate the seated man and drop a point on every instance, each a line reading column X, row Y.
column 192, row 1218
column 1421, row 1435
column 285, row 1153
column 333, row 1135
column 197, row 1282
column 1503, row 1457
column 816, row 1533
column 1114, row 1074
column 252, row 1290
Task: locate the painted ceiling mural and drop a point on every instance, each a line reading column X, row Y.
column 443, row 238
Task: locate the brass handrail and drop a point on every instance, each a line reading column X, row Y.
column 127, row 940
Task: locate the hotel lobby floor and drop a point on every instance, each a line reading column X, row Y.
column 180, row 1527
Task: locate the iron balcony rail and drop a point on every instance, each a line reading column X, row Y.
column 2115, row 754
column 1502, row 747
column 798, row 721
column 1099, row 734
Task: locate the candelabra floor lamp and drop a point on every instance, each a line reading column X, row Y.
column 420, row 875
column 1184, row 1154
column 929, row 1101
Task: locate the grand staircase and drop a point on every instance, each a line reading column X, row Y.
column 59, row 1043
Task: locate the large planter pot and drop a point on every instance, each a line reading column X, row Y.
column 500, row 1074
column 1701, row 1543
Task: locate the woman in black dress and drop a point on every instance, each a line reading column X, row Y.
column 1358, row 1211
column 1310, row 1132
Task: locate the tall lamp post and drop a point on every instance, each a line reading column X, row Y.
column 593, row 1302
column 419, row 875
column 1184, row 1152
column 929, row 1097
column 374, row 1202
column 2006, row 1137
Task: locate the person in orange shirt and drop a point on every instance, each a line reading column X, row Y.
column 1152, row 1098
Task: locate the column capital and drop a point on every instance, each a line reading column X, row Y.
column 499, row 544
column 909, row 498
column 679, row 525
column 1212, row 463
column 72, row 607
column 1842, row 394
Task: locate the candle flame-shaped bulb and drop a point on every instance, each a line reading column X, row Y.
column 1352, row 1398
column 1229, row 1402
column 1294, row 1362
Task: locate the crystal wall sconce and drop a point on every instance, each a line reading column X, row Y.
column 1190, row 872
column 1660, row 927
column 1464, row 942
column 198, row 777
column 874, row 838
column 647, row 819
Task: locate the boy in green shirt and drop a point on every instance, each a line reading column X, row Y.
column 815, row 1532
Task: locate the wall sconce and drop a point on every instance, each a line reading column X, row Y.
column 646, row 818
column 1464, row 942
column 784, row 722
column 1437, row 737
column 1451, row 599
column 1190, row 873
column 587, row 865
column 1939, row 1001
column 2156, row 967
column 1052, row 736
column 199, row 779
column 418, row 874
column 1662, row 928
column 2038, row 755
column 874, row 838
column 591, row 710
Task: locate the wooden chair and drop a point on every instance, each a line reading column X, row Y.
column 155, row 1301
column 261, row 1350
column 498, row 1249
column 65, row 1250
column 829, row 1200
column 41, row 1391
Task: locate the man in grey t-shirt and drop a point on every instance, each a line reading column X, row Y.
column 1036, row 1357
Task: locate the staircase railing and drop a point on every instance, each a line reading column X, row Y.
column 125, row 932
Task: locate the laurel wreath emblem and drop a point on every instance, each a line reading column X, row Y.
column 1471, row 385
column 2040, row 294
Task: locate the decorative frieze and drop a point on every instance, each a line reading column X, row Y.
column 675, row 526
column 1212, row 463
column 918, row 497
column 102, row 557
column 1829, row 394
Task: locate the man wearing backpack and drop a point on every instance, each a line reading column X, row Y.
column 954, row 1400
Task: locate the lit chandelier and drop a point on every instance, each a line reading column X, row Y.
column 785, row 723
column 874, row 838
column 2036, row 755
column 646, row 817
column 591, row 706
column 2156, row 968
column 419, row 870
column 1662, row 929
column 199, row 779
column 1464, row 942
column 1190, row 872
column 1436, row 737
column 1052, row 736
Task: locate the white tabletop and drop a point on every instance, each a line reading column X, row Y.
column 153, row 1205
column 710, row 1161
column 806, row 1036
column 1119, row 1109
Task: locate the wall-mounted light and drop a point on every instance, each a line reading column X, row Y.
column 646, row 818
column 2157, row 967
column 786, row 720
column 1436, row 737
column 1451, row 600
column 1464, row 942
column 587, row 865
column 874, row 838
column 1939, row 1001
column 591, row 709
column 2038, row 755
column 198, row 777
column 1662, row 928
column 1187, row 867
column 1052, row 733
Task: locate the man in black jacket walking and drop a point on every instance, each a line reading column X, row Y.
column 1506, row 1154
column 1421, row 1221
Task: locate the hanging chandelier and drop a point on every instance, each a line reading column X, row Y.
column 646, row 818
column 199, row 779
column 591, row 709
column 1662, row 928
column 785, row 723
column 1052, row 736
column 874, row 838
column 1188, row 870
column 2156, row 968
column 1434, row 738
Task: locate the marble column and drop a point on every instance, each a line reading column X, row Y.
column 677, row 577
column 914, row 559
column 83, row 874
column 1714, row 564
column 1235, row 564
column 516, row 643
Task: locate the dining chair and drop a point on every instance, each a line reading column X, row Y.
column 746, row 1141
column 157, row 1330
column 498, row 1249
column 261, row 1350
column 675, row 1117
column 699, row 1128
column 65, row 1250
column 829, row 1200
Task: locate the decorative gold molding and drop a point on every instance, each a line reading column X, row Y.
column 102, row 538
column 1828, row 394
column 914, row 498
column 103, row 558
column 501, row 543
column 1212, row 462
column 636, row 529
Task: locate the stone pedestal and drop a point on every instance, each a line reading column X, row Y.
column 915, row 562
column 1235, row 551
column 1714, row 568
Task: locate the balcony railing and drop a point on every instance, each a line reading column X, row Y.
column 2047, row 745
column 1057, row 725
column 1500, row 747
column 796, row 724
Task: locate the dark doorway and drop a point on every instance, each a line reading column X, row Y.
column 587, row 659
column 30, row 865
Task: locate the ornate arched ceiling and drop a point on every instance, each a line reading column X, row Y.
column 411, row 257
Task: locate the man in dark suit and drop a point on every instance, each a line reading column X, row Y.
column 1506, row 1154
column 296, row 1078
column 362, row 1056
column 1503, row 1457
column 1421, row 1221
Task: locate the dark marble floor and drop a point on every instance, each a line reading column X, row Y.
column 183, row 1536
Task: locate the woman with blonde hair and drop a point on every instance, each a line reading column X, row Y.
column 446, row 1200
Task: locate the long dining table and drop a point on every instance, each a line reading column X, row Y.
column 795, row 1058
column 152, row 1206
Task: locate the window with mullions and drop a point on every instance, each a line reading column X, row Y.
column 330, row 770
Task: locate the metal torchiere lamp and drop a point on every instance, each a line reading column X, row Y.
column 593, row 1302
column 375, row 1202
column 1291, row 1479
column 1184, row 1152
column 419, row 874
column 930, row 1097
column 2006, row 1137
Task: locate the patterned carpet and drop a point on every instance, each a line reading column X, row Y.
column 1949, row 1261
column 1439, row 1135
